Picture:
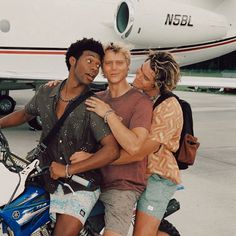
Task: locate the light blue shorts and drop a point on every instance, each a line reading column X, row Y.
column 78, row 205
column 154, row 200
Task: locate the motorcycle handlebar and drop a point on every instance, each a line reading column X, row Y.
column 4, row 147
column 81, row 181
column 84, row 182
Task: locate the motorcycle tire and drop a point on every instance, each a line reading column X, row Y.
column 168, row 228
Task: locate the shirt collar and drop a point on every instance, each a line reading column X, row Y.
column 56, row 90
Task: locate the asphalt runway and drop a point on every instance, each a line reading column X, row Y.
column 208, row 200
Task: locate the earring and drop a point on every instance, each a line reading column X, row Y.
column 158, row 84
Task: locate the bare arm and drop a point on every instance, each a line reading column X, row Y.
column 125, row 158
column 15, row 118
column 149, row 146
column 161, row 132
column 130, row 140
column 108, row 153
column 80, row 156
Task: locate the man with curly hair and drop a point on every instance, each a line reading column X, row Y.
column 82, row 130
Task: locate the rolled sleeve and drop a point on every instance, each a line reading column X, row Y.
column 99, row 128
column 142, row 114
column 32, row 106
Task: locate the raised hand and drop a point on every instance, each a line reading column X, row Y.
column 53, row 83
column 98, row 106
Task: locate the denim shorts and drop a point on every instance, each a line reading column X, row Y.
column 78, row 205
column 154, row 200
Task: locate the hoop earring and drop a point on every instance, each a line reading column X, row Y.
column 158, row 84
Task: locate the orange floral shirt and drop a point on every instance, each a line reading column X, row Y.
column 167, row 123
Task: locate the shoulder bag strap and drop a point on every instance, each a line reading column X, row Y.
column 43, row 145
column 163, row 97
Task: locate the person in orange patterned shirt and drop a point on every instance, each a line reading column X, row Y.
column 159, row 74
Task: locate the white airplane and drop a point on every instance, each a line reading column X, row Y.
column 34, row 35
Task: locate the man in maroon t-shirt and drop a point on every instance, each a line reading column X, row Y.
column 128, row 113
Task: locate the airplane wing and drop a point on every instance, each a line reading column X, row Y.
column 209, row 82
column 15, row 80
column 198, row 81
column 32, row 81
column 28, row 76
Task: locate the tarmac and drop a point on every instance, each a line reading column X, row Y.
column 208, row 200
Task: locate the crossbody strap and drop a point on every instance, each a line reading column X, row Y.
column 45, row 142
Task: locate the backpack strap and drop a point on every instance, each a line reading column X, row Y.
column 185, row 106
column 187, row 116
column 163, row 97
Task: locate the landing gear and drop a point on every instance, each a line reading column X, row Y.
column 7, row 104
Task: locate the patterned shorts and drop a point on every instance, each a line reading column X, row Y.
column 78, row 205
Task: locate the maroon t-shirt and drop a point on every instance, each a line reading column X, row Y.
column 135, row 109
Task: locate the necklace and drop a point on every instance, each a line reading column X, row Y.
column 65, row 100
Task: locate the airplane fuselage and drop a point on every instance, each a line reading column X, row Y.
column 34, row 35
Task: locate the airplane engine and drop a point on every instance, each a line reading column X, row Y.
column 159, row 23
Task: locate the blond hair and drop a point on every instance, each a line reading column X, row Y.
column 119, row 47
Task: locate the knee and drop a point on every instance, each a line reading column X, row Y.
column 71, row 230
column 66, row 231
column 67, row 226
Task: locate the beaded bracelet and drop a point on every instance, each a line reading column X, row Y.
column 107, row 114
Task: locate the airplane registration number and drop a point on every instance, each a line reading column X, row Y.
column 178, row 19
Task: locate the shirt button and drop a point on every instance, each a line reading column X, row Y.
column 61, row 158
column 60, row 141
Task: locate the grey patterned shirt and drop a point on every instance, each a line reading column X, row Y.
column 82, row 130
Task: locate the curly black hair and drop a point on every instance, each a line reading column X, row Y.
column 76, row 49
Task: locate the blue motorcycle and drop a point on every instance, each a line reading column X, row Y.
column 24, row 204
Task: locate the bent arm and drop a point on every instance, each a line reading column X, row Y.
column 107, row 154
column 161, row 131
column 15, row 118
column 149, row 146
column 130, row 140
